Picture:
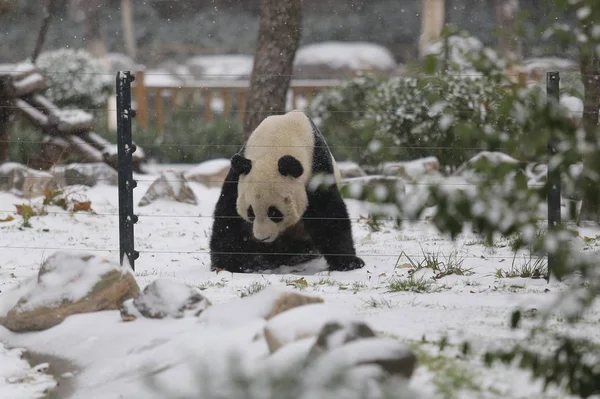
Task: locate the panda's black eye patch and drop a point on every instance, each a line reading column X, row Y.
column 251, row 215
column 290, row 166
column 275, row 214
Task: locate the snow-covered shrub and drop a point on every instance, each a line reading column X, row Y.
column 340, row 115
column 75, row 78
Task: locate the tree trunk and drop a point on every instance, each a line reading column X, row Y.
column 590, row 71
column 509, row 44
column 128, row 31
column 432, row 23
column 278, row 38
column 94, row 41
column 51, row 7
column 6, row 108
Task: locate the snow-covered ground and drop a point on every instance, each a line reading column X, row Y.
column 110, row 356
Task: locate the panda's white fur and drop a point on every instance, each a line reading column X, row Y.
column 264, row 186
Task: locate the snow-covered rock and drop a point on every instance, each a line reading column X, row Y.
column 26, row 182
column 169, row 185
column 350, row 169
column 334, row 334
column 165, row 298
column 226, row 66
column 67, row 283
column 87, row 174
column 493, row 158
column 411, row 169
column 303, row 322
column 389, row 354
column 352, row 56
column 211, row 173
column 265, row 304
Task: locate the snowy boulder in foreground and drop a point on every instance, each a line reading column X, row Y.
column 491, row 158
column 67, row 283
column 169, row 185
column 164, row 298
column 390, row 355
column 86, row 174
column 334, row 334
column 303, row 322
column 26, row 182
column 411, row 169
column 350, row 169
column 265, row 304
column 210, row 173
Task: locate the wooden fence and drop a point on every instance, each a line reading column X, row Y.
column 157, row 102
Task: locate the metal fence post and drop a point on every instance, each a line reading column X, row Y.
column 554, row 217
column 125, row 150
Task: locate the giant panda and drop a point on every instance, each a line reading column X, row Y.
column 269, row 214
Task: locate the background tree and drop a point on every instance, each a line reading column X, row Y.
column 509, row 44
column 89, row 13
column 432, row 23
column 128, row 31
column 588, row 27
column 279, row 33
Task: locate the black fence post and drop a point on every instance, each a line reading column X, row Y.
column 554, row 217
column 125, row 150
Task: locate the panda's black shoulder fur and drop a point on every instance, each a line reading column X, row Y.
column 322, row 162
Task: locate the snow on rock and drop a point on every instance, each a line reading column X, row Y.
column 265, row 304
column 345, row 55
column 169, row 185
column 543, row 64
column 211, row 173
column 389, row 354
column 350, row 169
column 334, row 334
column 165, row 298
column 67, row 283
column 303, row 322
column 411, row 169
column 573, row 105
column 18, row 379
column 87, row 174
column 288, row 358
column 493, row 158
column 233, row 66
column 26, row 182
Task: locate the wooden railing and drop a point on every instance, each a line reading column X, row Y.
column 157, row 102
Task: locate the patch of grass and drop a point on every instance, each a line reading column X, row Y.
column 441, row 265
column 253, row 288
column 411, row 284
column 211, row 284
column 531, row 267
column 378, row 303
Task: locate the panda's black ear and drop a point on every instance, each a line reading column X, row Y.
column 240, row 164
column 290, row 166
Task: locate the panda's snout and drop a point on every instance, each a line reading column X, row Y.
column 268, row 239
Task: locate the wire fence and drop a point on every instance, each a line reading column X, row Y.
column 139, row 178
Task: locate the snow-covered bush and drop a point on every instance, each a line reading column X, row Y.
column 340, row 114
column 75, row 78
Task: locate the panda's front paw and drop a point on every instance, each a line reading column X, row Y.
column 348, row 264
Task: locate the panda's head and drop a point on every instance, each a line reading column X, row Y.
column 271, row 194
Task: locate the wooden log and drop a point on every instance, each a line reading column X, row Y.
column 87, row 151
column 18, row 71
column 6, row 112
column 31, row 84
column 140, row 95
column 241, row 99
column 35, row 116
column 68, row 121
column 160, row 112
column 208, row 113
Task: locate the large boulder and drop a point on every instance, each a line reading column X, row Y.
column 86, row 174
column 412, row 170
column 335, row 333
column 67, row 283
column 26, row 182
column 265, row 305
column 210, row 173
column 300, row 323
column 165, row 298
column 350, row 169
column 169, row 185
